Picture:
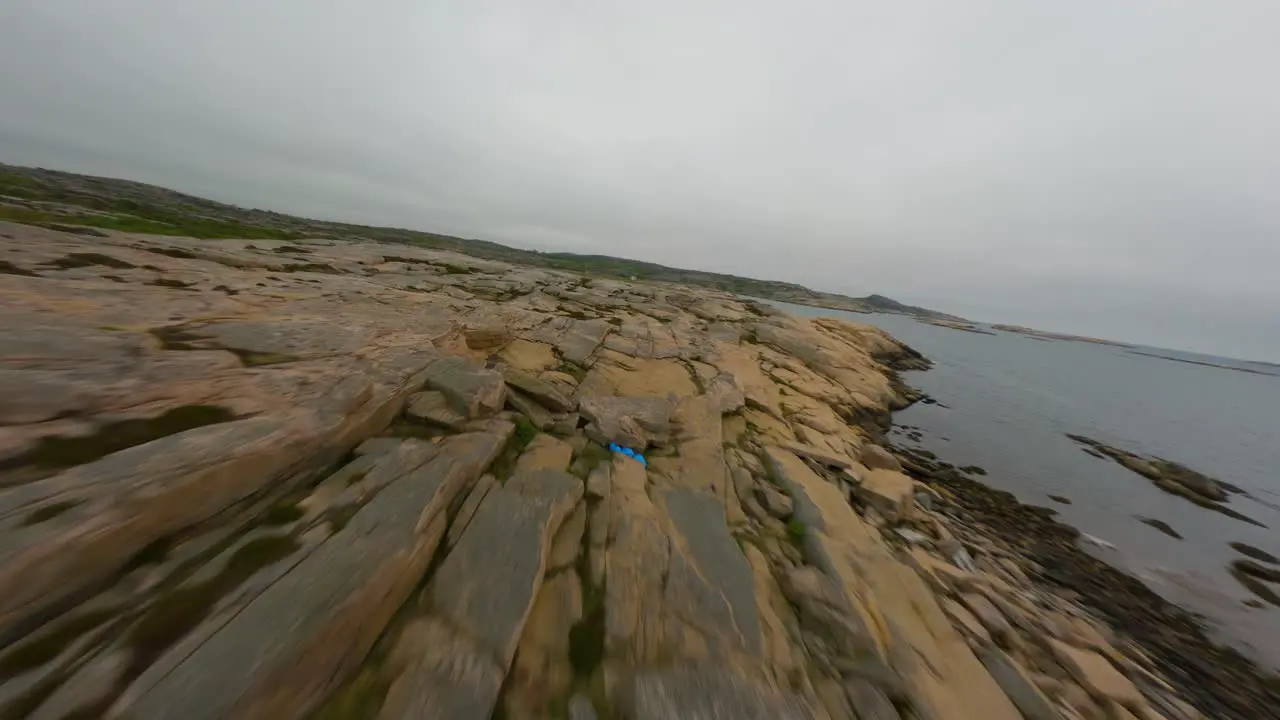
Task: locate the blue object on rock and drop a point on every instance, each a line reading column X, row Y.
column 615, row 447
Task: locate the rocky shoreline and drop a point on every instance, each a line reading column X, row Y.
column 1217, row 679
column 342, row 479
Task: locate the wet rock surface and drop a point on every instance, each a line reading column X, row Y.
column 1148, row 633
column 373, row 482
column 1172, row 477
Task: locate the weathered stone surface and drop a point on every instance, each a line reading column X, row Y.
column 545, row 452
column 877, row 458
column 869, row 701
column 338, row 598
column 432, row 407
column 482, row 595
column 710, row 693
column 1097, row 675
column 568, row 541
column 635, row 422
column 471, row 388
column 468, row 508
column 902, row 619
column 598, row 482
column 541, row 671
column 538, row 416
column 486, row 338
column 990, row 617
column 966, row 621
column 307, row 348
column 775, row 502
column 711, row 588
column 540, row 390
column 1016, row 682
column 891, row 493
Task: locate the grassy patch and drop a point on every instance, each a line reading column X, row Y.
column 575, row 314
column 505, row 463
column 795, row 530
column 574, row 370
column 525, row 432
column 278, row 515
column 166, row 282
column 8, row 268
column 162, row 222
column 249, row 358
column 182, row 609
column 171, row 252
column 49, row 645
column 63, row 452
column 79, row 260
column 310, row 267
column 451, row 269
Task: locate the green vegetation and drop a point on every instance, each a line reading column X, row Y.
column 62, row 452
column 181, row 226
column 48, row 512
column 48, row 645
column 795, row 530
column 282, row 515
column 78, row 260
column 182, row 609
column 112, row 204
column 8, row 268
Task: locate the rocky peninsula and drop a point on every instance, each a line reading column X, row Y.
column 329, row 478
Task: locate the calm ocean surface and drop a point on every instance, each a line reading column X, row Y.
column 1010, row 399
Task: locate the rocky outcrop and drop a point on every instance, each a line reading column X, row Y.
column 375, row 483
column 1172, row 477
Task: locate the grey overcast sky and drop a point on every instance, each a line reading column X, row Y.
column 1109, row 167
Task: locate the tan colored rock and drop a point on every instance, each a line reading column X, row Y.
column 471, row 388
column 486, row 338
column 1017, row 683
column 990, row 617
column 877, row 458
column 545, row 452
column 891, row 600
column 433, row 408
column 568, row 541
column 891, row 493
column 1097, row 675
column 339, row 597
column 541, row 671
column 531, row 357
column 966, row 621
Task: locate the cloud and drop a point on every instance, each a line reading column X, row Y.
column 1105, row 168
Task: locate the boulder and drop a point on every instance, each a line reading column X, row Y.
column 547, row 394
column 875, row 457
column 432, row 407
column 891, row 493
column 545, row 452
column 1097, row 675
column 471, row 388
column 634, row 422
column 537, row 415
